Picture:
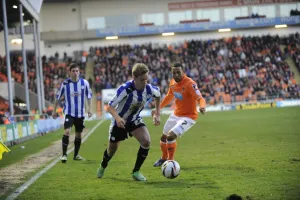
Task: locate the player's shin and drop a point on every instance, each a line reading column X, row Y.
column 77, row 144
column 164, row 150
column 171, row 147
column 65, row 143
column 105, row 159
column 141, row 157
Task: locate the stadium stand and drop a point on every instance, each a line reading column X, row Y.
column 227, row 70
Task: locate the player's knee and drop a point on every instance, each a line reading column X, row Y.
column 112, row 149
column 111, row 152
column 163, row 138
column 171, row 137
column 67, row 131
column 78, row 135
column 145, row 143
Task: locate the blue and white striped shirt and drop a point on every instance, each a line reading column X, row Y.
column 74, row 93
column 129, row 101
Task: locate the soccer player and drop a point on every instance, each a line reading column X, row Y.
column 187, row 95
column 125, row 108
column 74, row 90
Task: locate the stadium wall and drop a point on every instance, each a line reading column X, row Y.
column 74, row 20
column 49, row 49
column 29, row 44
column 73, row 16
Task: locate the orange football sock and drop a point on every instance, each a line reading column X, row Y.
column 164, row 150
column 171, row 147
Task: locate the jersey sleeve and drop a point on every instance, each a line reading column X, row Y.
column 167, row 99
column 88, row 90
column 120, row 94
column 194, row 91
column 155, row 91
column 61, row 91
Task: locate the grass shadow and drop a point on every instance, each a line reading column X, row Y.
column 219, row 167
column 181, row 183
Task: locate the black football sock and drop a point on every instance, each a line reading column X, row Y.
column 105, row 159
column 141, row 157
column 65, row 143
column 77, row 143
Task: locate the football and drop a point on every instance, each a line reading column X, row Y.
column 170, row 169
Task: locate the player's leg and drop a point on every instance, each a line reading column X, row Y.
column 164, row 151
column 79, row 126
column 170, row 123
column 65, row 139
column 182, row 125
column 171, row 145
column 116, row 135
column 142, row 135
column 107, row 155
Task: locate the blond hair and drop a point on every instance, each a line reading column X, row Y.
column 139, row 69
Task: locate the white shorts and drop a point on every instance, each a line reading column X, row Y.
column 179, row 125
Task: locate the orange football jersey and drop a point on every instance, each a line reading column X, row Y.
column 186, row 95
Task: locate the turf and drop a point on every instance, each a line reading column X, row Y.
column 20, row 151
column 253, row 153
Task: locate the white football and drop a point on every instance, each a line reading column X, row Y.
column 170, row 169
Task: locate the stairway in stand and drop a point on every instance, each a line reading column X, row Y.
column 292, row 65
column 89, row 73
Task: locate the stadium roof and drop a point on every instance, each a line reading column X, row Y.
column 13, row 16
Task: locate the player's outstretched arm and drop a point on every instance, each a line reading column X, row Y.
column 156, row 112
column 167, row 99
column 54, row 114
column 202, row 103
column 89, row 107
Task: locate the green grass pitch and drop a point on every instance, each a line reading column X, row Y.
column 253, row 153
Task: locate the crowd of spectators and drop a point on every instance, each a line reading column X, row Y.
column 54, row 72
column 227, row 70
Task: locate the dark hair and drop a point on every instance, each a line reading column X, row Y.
column 178, row 65
column 73, row 65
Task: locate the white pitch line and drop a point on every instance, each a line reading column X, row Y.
column 23, row 187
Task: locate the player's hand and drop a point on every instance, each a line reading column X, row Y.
column 155, row 117
column 153, row 112
column 54, row 115
column 156, row 120
column 202, row 110
column 90, row 114
column 120, row 122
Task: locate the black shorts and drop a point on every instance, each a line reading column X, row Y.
column 117, row 134
column 77, row 122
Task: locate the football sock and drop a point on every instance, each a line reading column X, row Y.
column 65, row 143
column 77, row 143
column 164, row 150
column 141, row 156
column 171, row 147
column 105, row 159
